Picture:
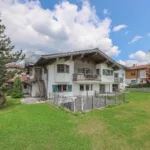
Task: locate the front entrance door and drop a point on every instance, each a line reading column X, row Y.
column 102, row 88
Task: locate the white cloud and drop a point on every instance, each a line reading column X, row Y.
column 119, row 27
column 140, row 57
column 136, row 38
column 65, row 28
column 148, row 34
column 106, row 12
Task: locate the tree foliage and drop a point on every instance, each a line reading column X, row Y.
column 6, row 56
column 17, row 88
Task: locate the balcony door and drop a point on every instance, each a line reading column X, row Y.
column 102, row 88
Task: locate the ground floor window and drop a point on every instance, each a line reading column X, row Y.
column 81, row 87
column 62, row 88
column 86, row 87
column 25, row 86
column 115, row 87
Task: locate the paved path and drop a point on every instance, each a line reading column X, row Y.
column 31, row 100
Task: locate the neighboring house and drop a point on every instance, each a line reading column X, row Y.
column 138, row 74
column 14, row 67
column 26, row 87
column 75, row 73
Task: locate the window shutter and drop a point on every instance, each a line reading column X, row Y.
column 70, row 88
column 55, row 88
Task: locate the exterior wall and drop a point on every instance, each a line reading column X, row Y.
column 139, row 74
column 84, row 64
column 121, row 73
column 105, row 79
column 45, row 77
column 142, row 74
column 26, row 90
column 55, row 78
column 130, row 72
column 35, row 90
column 32, row 73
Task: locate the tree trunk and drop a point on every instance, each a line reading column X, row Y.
column 2, row 100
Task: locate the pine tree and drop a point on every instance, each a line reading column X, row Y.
column 17, row 88
column 6, row 56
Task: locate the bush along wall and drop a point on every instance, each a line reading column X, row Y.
column 17, row 89
column 139, row 86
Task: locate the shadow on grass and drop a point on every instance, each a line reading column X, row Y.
column 10, row 103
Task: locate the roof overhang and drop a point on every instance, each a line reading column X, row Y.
column 94, row 54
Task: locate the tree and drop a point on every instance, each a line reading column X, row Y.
column 6, row 56
column 17, row 88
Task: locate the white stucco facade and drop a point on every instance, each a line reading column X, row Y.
column 52, row 78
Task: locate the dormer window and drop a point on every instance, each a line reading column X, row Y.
column 62, row 68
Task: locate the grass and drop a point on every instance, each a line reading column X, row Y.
column 40, row 126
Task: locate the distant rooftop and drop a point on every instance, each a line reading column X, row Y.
column 139, row 67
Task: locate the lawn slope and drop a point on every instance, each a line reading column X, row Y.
column 40, row 126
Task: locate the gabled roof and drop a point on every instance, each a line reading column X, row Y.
column 139, row 67
column 94, row 54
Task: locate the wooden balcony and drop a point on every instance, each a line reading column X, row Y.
column 83, row 77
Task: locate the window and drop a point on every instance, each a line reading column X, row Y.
column 62, row 68
column 62, row 88
column 133, row 73
column 80, row 70
column 91, row 87
column 81, row 87
column 97, row 71
column 25, row 86
column 122, row 74
column 133, row 81
column 116, row 75
column 85, row 70
column 67, row 69
column 107, row 72
column 87, row 87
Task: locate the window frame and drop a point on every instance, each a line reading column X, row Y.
column 107, row 72
column 65, row 68
column 80, row 87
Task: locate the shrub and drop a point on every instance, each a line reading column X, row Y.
column 112, row 105
column 76, row 113
column 7, row 89
column 17, row 89
column 139, row 86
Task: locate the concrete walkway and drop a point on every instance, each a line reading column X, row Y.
column 32, row 100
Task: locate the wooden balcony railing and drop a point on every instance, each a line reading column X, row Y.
column 82, row 77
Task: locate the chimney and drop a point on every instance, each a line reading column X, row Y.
column 134, row 65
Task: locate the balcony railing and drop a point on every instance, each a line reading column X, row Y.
column 81, row 77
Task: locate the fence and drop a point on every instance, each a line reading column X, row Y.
column 85, row 103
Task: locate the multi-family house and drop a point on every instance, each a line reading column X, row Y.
column 138, row 74
column 76, row 73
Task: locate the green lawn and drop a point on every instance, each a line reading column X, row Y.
column 40, row 126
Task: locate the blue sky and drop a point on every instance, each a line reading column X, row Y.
column 131, row 39
column 134, row 13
